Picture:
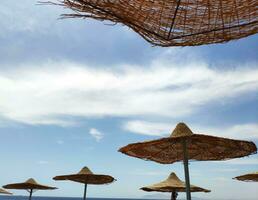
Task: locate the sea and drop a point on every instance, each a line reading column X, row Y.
column 13, row 197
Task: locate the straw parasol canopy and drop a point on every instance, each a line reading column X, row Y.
column 2, row 191
column 30, row 185
column 248, row 177
column 174, row 185
column 184, row 145
column 174, row 22
column 86, row 176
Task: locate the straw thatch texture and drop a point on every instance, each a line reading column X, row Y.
column 2, row 191
column 87, row 177
column 174, row 22
column 172, row 184
column 29, row 184
column 200, row 147
column 248, row 177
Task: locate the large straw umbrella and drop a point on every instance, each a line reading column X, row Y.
column 184, row 145
column 86, row 177
column 173, row 185
column 2, row 191
column 248, row 177
column 174, row 22
column 30, row 185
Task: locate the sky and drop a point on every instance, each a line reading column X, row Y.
column 73, row 91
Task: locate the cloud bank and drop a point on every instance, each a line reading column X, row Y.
column 240, row 131
column 55, row 91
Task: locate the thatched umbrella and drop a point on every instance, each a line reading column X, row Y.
column 184, row 145
column 86, row 177
column 174, row 22
column 2, row 191
column 173, row 185
column 248, row 177
column 30, row 185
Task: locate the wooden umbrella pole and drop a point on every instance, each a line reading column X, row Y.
column 187, row 179
column 85, row 191
column 31, row 190
column 173, row 195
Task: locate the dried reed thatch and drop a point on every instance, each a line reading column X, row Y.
column 174, row 22
column 30, row 184
column 86, row 176
column 172, row 184
column 248, row 177
column 200, row 147
column 184, row 145
column 2, row 191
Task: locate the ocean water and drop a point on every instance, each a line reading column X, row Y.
column 13, row 197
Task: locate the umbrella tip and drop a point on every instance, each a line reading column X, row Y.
column 31, row 180
column 85, row 170
column 173, row 176
column 181, row 130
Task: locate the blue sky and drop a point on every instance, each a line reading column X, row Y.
column 72, row 92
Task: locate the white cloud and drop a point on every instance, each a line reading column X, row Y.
column 46, row 94
column 242, row 161
column 42, row 162
column 17, row 17
column 147, row 128
column 239, row 131
column 96, row 134
column 250, row 130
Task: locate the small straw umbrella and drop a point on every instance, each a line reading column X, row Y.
column 184, row 145
column 2, row 191
column 172, row 184
column 173, row 22
column 30, row 185
column 86, row 177
column 248, row 177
